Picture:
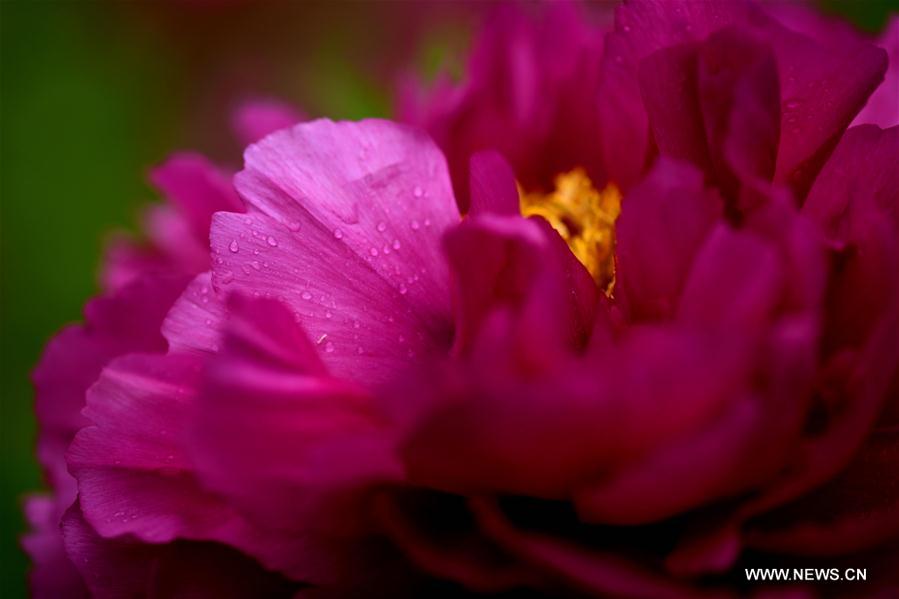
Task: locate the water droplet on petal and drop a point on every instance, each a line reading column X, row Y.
column 329, row 348
column 338, row 234
column 414, row 224
column 293, row 225
column 271, row 241
column 234, row 247
column 403, row 289
column 382, row 226
column 373, row 252
column 418, row 191
column 306, row 295
column 226, row 277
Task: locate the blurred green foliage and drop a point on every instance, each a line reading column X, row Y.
column 91, row 96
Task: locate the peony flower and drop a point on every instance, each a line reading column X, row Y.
column 670, row 366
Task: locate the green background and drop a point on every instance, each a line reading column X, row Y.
column 92, row 93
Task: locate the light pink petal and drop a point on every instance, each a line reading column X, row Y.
column 193, row 324
column 663, row 223
column 344, row 228
column 253, row 120
column 493, row 187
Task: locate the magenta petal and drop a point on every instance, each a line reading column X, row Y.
column 823, row 86
column 663, row 223
column 493, row 187
column 596, row 573
column 860, row 177
column 344, row 228
column 883, row 106
column 510, row 263
column 739, row 94
column 670, row 94
column 193, row 324
column 134, row 474
column 197, row 187
column 855, row 511
column 124, row 322
column 52, row 574
column 641, row 28
column 253, row 120
column 628, row 498
column 126, row 568
column 282, row 441
column 735, row 282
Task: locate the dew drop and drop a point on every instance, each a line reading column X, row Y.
column 293, row 225
column 373, row 252
column 255, row 264
column 382, row 226
column 338, row 234
column 396, row 244
column 234, row 247
column 226, row 277
column 418, row 191
column 306, row 295
column 414, row 224
column 329, row 348
column 271, row 241
column 403, row 289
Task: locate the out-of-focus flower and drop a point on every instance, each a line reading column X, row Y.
column 674, row 368
column 142, row 281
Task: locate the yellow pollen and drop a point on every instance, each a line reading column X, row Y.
column 584, row 217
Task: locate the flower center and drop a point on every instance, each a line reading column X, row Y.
column 584, row 217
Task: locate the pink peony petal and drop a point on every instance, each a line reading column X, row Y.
column 193, row 324
column 136, row 478
column 344, row 224
column 126, row 568
column 883, row 106
column 287, row 444
column 197, row 188
column 663, row 223
column 493, row 187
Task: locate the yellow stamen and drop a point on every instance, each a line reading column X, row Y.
column 584, row 217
